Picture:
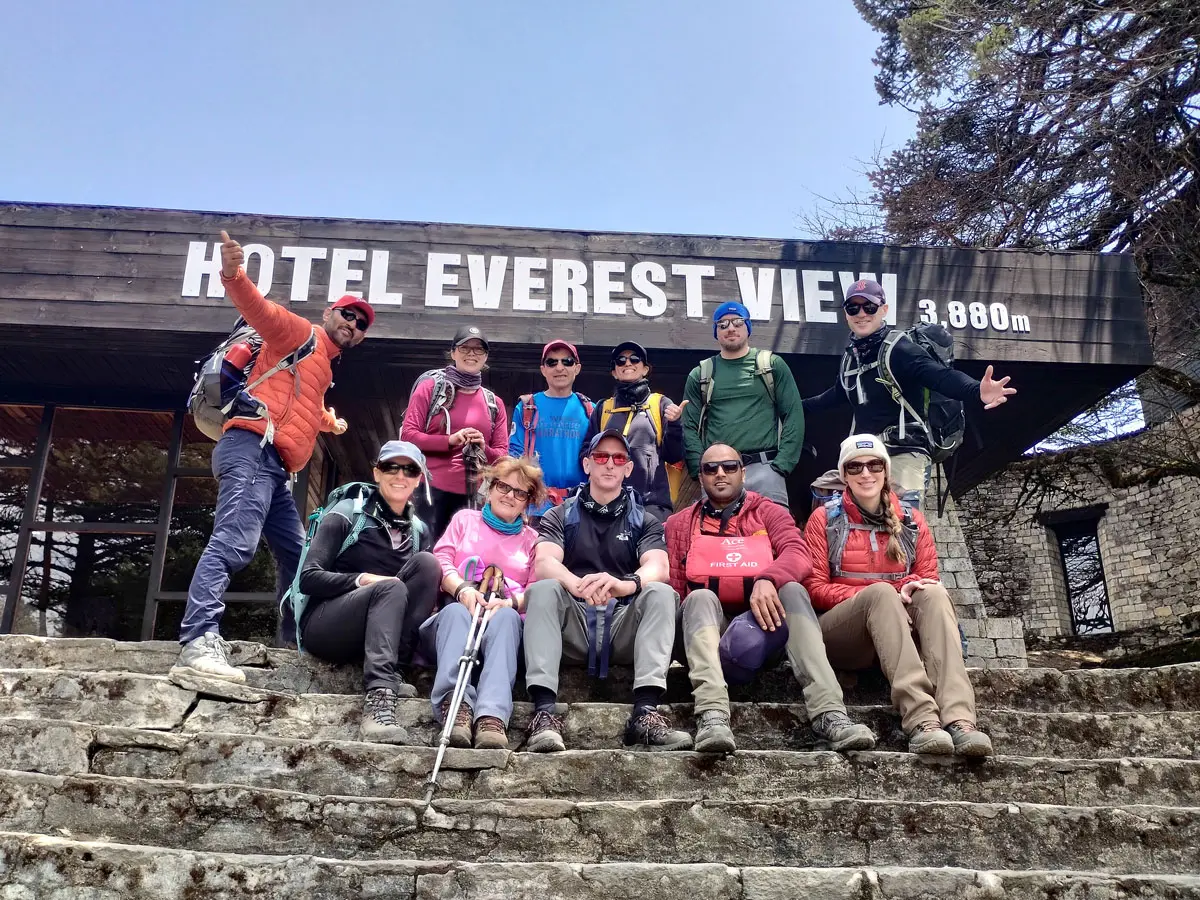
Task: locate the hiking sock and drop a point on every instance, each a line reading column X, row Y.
column 543, row 699
column 645, row 700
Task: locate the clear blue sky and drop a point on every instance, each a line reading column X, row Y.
column 695, row 117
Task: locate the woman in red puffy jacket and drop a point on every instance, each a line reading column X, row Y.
column 875, row 585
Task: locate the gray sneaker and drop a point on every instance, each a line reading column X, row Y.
column 968, row 739
column 208, row 657
column 713, row 734
column 544, row 734
column 652, row 731
column 928, row 737
column 842, row 734
column 379, row 718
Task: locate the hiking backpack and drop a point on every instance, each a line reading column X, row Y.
column 530, row 416
column 220, row 391
column 442, row 399
column 352, row 496
column 942, row 418
column 762, row 368
column 652, row 406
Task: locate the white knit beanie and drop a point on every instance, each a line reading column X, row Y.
column 863, row 445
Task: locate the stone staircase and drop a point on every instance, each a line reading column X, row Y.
column 116, row 783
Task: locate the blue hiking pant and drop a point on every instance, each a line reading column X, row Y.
column 253, row 501
column 491, row 694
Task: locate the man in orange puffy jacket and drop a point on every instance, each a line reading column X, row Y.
column 256, row 454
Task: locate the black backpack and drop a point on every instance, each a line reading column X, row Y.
column 942, row 418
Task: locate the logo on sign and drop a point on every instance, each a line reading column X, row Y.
column 733, row 557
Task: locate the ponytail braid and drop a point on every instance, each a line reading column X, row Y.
column 895, row 550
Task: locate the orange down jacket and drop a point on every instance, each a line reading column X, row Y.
column 298, row 415
column 827, row 592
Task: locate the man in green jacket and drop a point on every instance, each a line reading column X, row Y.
column 748, row 399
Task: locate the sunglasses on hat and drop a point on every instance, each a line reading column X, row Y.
column 349, row 316
column 853, row 309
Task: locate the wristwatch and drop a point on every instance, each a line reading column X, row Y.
column 635, row 578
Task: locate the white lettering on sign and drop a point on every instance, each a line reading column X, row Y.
column 380, row 295
column 693, row 286
column 437, row 279
column 524, row 281
column 569, row 286
column 603, row 287
column 646, row 278
column 487, row 280
column 302, row 272
column 198, row 265
column 340, row 273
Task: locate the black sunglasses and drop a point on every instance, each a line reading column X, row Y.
column 551, row 362
column 630, row 360
column 875, row 466
column 412, row 470
column 505, row 488
column 349, row 316
column 853, row 309
column 728, row 466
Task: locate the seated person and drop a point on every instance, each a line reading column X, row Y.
column 496, row 535
column 875, row 582
column 737, row 613
column 367, row 583
column 601, row 557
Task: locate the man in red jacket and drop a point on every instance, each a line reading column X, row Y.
column 737, row 559
column 256, row 454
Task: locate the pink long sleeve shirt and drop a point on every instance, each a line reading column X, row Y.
column 468, row 535
column 446, row 470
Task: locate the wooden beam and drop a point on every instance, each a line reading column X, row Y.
column 33, row 496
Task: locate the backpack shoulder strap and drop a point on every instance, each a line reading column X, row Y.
column 762, row 368
column 529, row 417
column 706, row 392
column 441, row 398
column 606, row 411
column 493, row 408
column 290, row 361
column 889, row 379
column 588, row 405
column 654, row 407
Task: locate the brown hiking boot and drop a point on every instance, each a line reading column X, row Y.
column 460, row 734
column 928, row 737
column 490, row 734
column 968, row 739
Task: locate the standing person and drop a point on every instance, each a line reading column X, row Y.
column 746, row 399
column 876, row 410
column 601, row 551
column 648, row 421
column 367, row 584
column 549, row 426
column 257, row 453
column 875, row 583
column 496, row 535
column 448, row 410
column 739, row 612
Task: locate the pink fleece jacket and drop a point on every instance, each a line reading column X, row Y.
column 468, row 535
column 446, row 470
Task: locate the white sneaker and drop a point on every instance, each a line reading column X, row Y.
column 208, row 657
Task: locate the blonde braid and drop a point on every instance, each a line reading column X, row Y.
column 895, row 550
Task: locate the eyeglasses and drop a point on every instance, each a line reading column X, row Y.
column 630, row 360
column 412, row 470
column 506, row 488
column 471, row 350
column 728, row 466
column 853, row 309
column 875, row 466
column 349, row 316
column 601, row 458
column 726, row 324
column 551, row 362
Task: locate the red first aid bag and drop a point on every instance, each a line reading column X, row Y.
column 728, row 564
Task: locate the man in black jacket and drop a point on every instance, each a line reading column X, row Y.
column 875, row 411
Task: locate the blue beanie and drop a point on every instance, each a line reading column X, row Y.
column 731, row 308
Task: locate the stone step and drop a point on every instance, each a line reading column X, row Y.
column 373, row 770
column 794, row 831
column 150, row 701
column 1080, row 690
column 53, row 867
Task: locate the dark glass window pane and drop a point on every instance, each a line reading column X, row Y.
column 196, row 452
column 241, row 622
column 1080, row 549
column 14, row 486
column 18, row 430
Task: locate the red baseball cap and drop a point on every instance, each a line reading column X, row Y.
column 351, row 302
column 555, row 345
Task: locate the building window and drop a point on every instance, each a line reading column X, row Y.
column 1083, row 568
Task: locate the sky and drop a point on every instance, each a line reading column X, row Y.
column 681, row 117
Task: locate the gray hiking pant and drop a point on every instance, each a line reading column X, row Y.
column 643, row 632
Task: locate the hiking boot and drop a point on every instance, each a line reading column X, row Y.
column 490, row 734
column 713, row 734
column 460, row 734
column 379, row 718
column 928, row 737
column 652, row 731
column 836, row 728
column 969, row 740
column 404, row 690
column 208, row 657
column 545, row 733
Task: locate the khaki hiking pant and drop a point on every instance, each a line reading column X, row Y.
column 704, row 621
column 643, row 632
column 927, row 686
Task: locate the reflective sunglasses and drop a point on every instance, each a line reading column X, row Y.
column 412, row 470
column 349, row 316
column 601, row 458
column 505, row 488
column 551, row 362
column 630, row 360
column 728, row 466
column 853, row 309
column 875, row 466
column 726, row 324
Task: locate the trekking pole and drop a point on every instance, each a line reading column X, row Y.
column 491, row 583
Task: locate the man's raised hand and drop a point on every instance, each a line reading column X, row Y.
column 993, row 392
column 231, row 255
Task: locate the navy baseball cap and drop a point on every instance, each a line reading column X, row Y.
column 867, row 289
column 609, row 433
column 629, row 345
column 731, row 308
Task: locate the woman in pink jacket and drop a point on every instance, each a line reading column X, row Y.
column 451, row 416
column 496, row 535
